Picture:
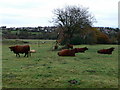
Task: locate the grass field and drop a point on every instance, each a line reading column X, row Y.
column 45, row 69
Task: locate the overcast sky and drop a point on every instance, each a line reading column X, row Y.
column 33, row 13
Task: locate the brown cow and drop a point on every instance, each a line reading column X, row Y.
column 106, row 51
column 67, row 52
column 81, row 49
column 20, row 49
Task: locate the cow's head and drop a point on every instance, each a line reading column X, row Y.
column 12, row 48
column 112, row 48
column 85, row 48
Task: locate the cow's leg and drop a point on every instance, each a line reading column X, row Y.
column 28, row 54
column 17, row 54
column 25, row 55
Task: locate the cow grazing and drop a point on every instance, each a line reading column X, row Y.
column 106, row 51
column 67, row 52
column 20, row 49
column 81, row 49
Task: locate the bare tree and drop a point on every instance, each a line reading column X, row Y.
column 72, row 20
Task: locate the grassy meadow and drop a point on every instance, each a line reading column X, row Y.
column 45, row 69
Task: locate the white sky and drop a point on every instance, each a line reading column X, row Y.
column 33, row 13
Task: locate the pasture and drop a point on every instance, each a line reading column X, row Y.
column 45, row 69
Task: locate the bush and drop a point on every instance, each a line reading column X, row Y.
column 101, row 37
column 76, row 40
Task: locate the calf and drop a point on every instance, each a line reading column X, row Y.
column 81, row 49
column 106, row 51
column 20, row 49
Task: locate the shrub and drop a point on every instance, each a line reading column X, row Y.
column 101, row 37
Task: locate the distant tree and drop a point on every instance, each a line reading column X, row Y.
column 72, row 20
column 91, row 37
column 23, row 34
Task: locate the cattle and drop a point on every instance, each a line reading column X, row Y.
column 82, row 50
column 67, row 52
column 106, row 51
column 20, row 49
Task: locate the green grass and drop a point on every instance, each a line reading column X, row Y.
column 45, row 69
